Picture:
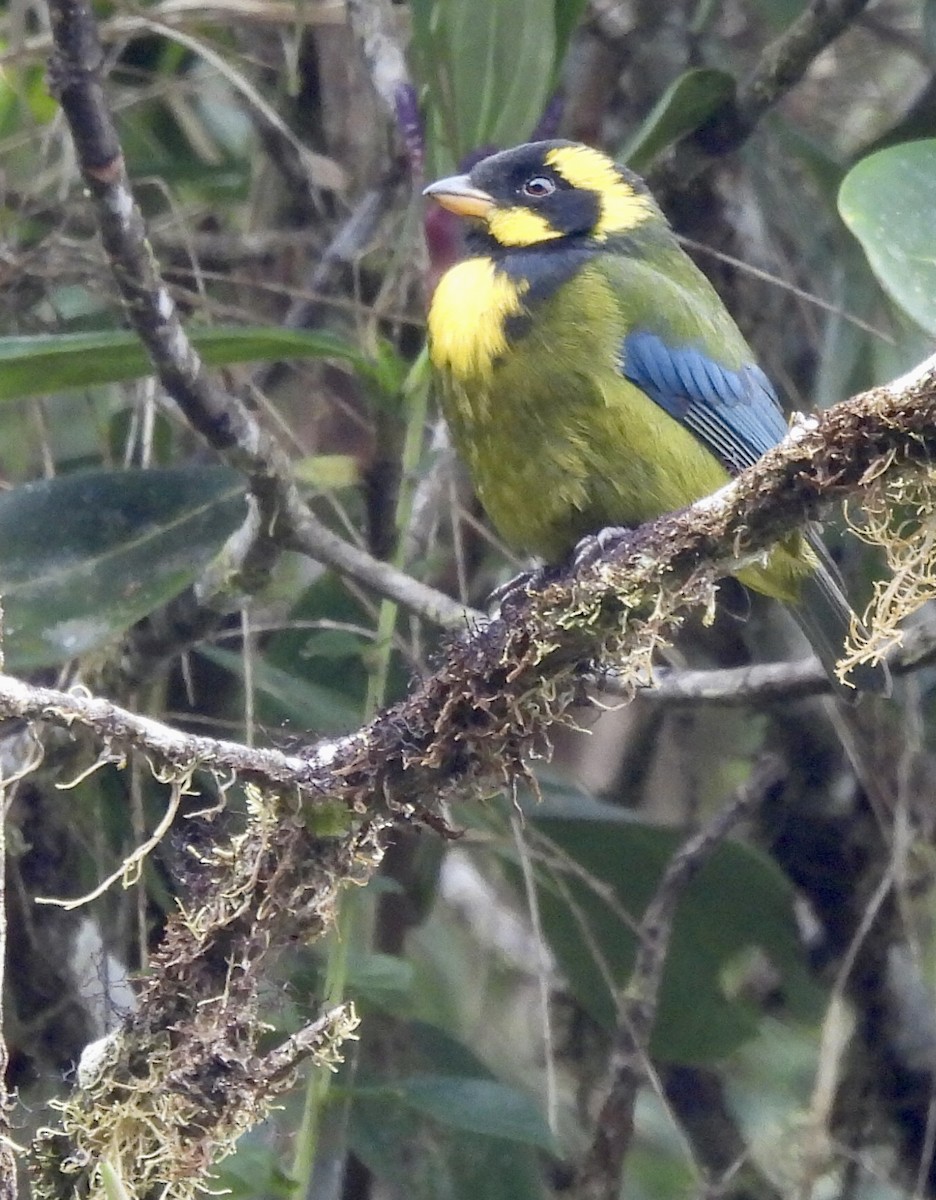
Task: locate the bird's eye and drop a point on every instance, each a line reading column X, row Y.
column 538, row 187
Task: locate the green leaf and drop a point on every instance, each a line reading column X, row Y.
column 685, row 105
column 84, row 556
column 389, row 372
column 471, row 1105
column 40, row 364
column 887, row 203
column 253, row 1170
column 738, row 901
column 335, row 643
column 437, row 1052
column 302, row 701
column 489, row 68
column 402, row 1132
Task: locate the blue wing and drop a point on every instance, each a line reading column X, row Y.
column 734, row 413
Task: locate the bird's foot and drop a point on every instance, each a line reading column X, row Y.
column 596, row 546
column 516, row 589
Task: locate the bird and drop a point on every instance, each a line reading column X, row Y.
column 592, row 377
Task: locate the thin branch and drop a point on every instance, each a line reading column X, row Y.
column 543, row 965
column 785, row 61
column 782, row 64
column 784, row 285
column 75, row 78
column 849, row 860
column 599, row 1176
column 194, row 615
column 309, row 536
column 758, row 684
column 768, row 683
column 354, row 234
column 332, row 1028
column 225, row 13
column 374, row 25
column 171, row 751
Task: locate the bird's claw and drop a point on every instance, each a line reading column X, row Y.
column 515, row 589
column 595, row 546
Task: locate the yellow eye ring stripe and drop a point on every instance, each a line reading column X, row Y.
column 622, row 209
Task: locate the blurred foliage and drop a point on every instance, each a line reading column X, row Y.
column 110, row 508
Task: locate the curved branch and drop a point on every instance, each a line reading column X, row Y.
column 120, row 730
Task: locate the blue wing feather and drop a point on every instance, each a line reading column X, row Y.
column 734, row 412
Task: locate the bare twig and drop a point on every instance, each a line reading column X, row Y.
column 335, row 1025
column 782, row 64
column 760, row 683
column 600, row 1173
column 191, row 12
column 350, row 241
column 767, row 683
column 309, row 536
column 194, row 614
column 852, row 867
column 170, row 750
column 785, row 61
column 75, row 78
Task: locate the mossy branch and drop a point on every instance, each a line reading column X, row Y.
column 321, row 819
column 471, row 725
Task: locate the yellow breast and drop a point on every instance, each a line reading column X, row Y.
column 467, row 318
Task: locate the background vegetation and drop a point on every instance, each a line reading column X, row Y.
column 277, row 151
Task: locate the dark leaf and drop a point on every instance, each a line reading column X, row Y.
column 84, row 556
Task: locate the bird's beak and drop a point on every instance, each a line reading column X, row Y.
column 458, row 196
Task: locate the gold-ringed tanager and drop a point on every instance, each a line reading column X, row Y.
column 591, row 376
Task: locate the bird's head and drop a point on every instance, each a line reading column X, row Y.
column 544, row 191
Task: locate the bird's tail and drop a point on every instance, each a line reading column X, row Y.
column 825, row 617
